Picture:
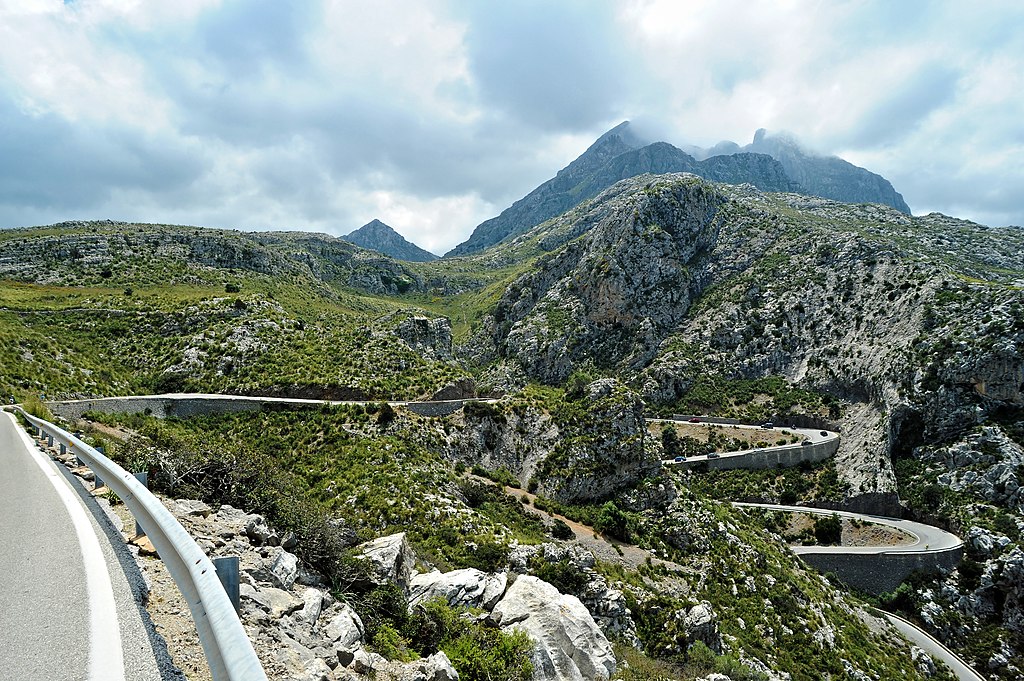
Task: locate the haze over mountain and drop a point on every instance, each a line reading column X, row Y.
column 377, row 236
column 771, row 163
column 827, row 176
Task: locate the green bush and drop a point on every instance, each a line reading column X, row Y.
column 828, row 530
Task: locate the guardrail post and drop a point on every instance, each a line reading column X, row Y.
column 39, row 432
column 63, row 449
column 142, row 477
column 227, row 572
column 49, row 440
column 97, row 482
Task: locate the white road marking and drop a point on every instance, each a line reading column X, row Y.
column 106, row 657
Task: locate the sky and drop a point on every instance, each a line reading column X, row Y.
column 434, row 115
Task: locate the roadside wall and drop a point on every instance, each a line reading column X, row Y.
column 878, row 573
column 786, row 456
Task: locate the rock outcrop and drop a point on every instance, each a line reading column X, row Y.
column 569, row 645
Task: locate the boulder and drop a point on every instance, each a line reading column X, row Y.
column 470, row 588
column 345, row 629
column 259, row 532
column 191, row 507
column 390, row 559
column 284, row 569
column 701, row 625
column 276, row 602
column 567, row 642
column 312, row 604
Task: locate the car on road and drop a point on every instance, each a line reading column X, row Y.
column 806, row 442
column 712, row 455
column 769, row 425
column 679, row 459
column 824, row 433
column 694, row 420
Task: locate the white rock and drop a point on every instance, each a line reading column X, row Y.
column 470, row 588
column 568, row 643
column 284, row 569
column 345, row 629
column 312, row 604
column 391, row 559
column 275, row 601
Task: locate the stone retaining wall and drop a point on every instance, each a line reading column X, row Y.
column 774, row 457
column 878, row 573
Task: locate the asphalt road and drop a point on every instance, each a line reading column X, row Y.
column 67, row 609
column 926, row 537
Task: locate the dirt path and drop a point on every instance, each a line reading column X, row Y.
column 604, row 548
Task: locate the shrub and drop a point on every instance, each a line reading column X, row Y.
column 560, row 530
column 828, row 530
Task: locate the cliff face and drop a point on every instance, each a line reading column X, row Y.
column 825, row 176
column 79, row 252
column 667, row 279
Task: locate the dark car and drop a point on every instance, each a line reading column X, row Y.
column 806, row 442
column 712, row 455
column 824, row 433
column 769, row 425
column 679, row 459
column 695, row 420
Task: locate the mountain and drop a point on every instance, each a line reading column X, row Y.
column 377, row 236
column 827, row 176
column 771, row 163
column 665, row 293
column 617, row 155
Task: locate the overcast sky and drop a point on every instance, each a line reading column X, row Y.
column 434, row 115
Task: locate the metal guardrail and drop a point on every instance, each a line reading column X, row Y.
column 229, row 651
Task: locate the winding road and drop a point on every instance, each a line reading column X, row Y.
column 927, row 540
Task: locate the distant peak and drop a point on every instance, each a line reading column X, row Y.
column 760, row 135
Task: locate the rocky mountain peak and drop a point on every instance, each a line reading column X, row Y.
column 377, row 236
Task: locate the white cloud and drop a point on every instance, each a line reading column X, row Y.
column 435, row 115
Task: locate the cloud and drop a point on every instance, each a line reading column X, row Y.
column 436, row 114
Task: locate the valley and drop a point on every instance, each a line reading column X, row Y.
column 656, row 295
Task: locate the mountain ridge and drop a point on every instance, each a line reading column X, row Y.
column 621, row 153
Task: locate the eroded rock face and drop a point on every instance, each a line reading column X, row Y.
column 609, row 295
column 569, row 644
column 430, row 338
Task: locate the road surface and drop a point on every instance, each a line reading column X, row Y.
column 67, row 609
column 926, row 537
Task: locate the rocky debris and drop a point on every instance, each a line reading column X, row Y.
column 390, row 559
column 987, row 463
column 468, row 588
column 986, row 543
column 569, row 645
